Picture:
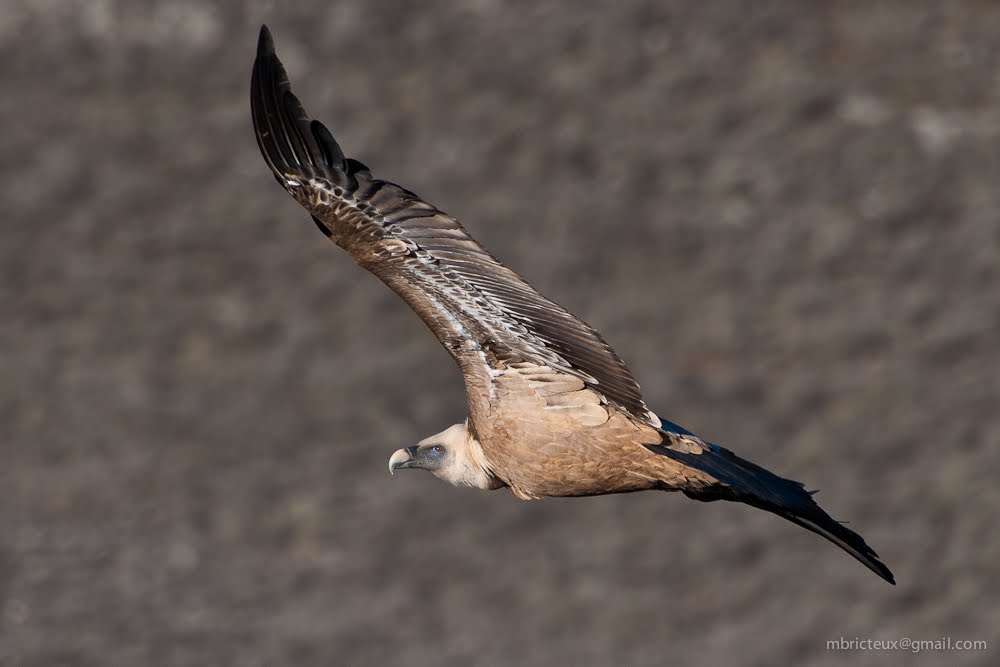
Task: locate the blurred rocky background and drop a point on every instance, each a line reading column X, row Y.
column 783, row 215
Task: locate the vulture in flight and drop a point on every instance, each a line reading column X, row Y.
column 553, row 410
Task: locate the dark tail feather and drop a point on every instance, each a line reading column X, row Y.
column 745, row 482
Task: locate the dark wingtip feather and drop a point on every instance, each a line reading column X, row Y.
column 265, row 44
column 333, row 155
column 290, row 141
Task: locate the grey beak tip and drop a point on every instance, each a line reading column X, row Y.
column 398, row 459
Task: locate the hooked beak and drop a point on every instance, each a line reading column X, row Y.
column 404, row 458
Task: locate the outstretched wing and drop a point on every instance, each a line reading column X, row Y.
column 484, row 314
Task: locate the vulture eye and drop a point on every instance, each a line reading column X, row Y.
column 437, row 449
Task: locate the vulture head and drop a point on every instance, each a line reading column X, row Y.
column 452, row 455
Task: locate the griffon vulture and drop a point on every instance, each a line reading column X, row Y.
column 553, row 410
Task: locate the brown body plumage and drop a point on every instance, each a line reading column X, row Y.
column 553, row 410
column 553, row 436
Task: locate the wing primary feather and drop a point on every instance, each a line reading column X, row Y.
column 267, row 86
column 332, row 153
column 258, row 105
column 291, row 142
column 297, row 140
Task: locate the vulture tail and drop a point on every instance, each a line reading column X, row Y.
column 742, row 481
